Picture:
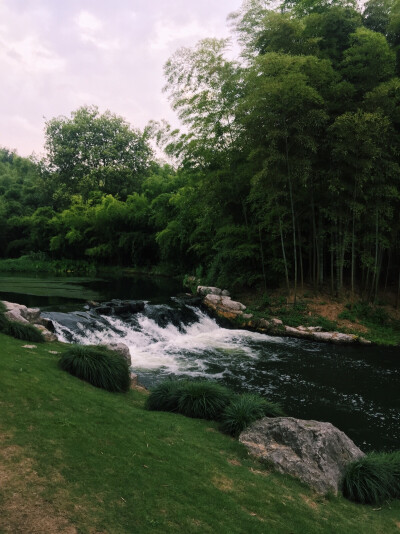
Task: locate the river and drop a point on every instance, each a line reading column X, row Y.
column 355, row 388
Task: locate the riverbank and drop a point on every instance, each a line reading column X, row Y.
column 80, row 459
column 316, row 316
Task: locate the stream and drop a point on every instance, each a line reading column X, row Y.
column 355, row 388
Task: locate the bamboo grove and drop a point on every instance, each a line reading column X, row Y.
column 286, row 170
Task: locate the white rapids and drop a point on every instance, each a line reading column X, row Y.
column 153, row 347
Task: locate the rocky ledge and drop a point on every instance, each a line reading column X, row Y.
column 220, row 303
column 21, row 314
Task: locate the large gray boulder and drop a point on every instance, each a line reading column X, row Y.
column 316, row 453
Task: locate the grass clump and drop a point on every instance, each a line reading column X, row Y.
column 203, row 399
column 373, row 479
column 27, row 332
column 99, row 366
column 198, row 399
column 244, row 410
column 165, row 396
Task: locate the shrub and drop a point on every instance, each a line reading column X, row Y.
column 100, row 367
column 27, row 332
column 373, row 479
column 165, row 396
column 244, row 410
column 203, row 399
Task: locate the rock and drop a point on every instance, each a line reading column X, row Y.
column 122, row 349
column 103, row 310
column 32, row 315
column 335, row 337
column 21, row 314
column 48, row 324
column 225, row 293
column 247, row 315
column 276, row 322
column 15, row 315
column 136, row 306
column 224, row 306
column 121, row 309
column 315, row 452
column 29, row 346
column 208, row 290
column 48, row 336
column 134, row 380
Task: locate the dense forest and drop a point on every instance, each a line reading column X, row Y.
column 286, row 170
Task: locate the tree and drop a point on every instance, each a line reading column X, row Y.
column 93, row 151
column 368, row 61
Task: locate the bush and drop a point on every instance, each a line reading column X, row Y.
column 100, row 367
column 27, row 332
column 373, row 479
column 165, row 396
column 244, row 410
column 203, row 399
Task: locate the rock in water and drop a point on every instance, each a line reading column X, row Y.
column 315, row 452
column 122, row 349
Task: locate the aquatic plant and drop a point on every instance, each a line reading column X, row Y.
column 100, row 367
column 373, row 479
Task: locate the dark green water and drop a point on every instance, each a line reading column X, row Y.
column 355, row 388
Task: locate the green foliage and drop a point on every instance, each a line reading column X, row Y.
column 203, row 400
column 244, row 410
column 35, row 262
column 365, row 311
column 165, row 396
column 100, row 367
column 91, row 151
column 373, row 479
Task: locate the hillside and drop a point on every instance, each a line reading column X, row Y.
column 77, row 459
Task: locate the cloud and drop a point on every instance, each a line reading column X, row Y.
column 92, row 32
column 30, row 54
column 167, row 32
column 88, row 22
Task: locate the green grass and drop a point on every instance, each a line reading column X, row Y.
column 382, row 329
column 106, row 464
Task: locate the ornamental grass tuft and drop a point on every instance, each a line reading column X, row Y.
column 244, row 410
column 26, row 332
column 99, row 366
column 373, row 479
column 165, row 396
column 203, row 399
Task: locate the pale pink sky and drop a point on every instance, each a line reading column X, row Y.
column 57, row 55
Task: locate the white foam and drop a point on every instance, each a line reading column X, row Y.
column 153, row 347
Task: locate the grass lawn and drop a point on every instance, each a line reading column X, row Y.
column 76, row 459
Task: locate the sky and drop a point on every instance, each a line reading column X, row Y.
column 58, row 55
